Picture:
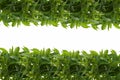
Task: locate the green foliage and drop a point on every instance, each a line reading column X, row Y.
column 47, row 64
column 70, row 13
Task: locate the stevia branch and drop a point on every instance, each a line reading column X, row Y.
column 47, row 64
column 68, row 13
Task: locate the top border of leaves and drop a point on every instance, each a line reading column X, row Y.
column 68, row 13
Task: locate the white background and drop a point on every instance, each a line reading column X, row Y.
column 59, row 37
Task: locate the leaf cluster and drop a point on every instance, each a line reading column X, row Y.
column 69, row 13
column 47, row 64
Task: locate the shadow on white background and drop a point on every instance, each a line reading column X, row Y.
column 59, row 37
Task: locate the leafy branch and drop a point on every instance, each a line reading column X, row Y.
column 47, row 64
column 69, row 13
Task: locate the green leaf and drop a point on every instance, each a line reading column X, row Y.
column 43, row 22
column 106, row 52
column 26, row 23
column 35, row 23
column 5, row 23
column 48, row 51
column 26, row 50
column 18, row 23
column 84, row 25
column 35, row 50
column 17, row 49
column 4, row 50
column 14, row 24
column 116, row 26
column 93, row 52
column 54, row 23
column 113, row 52
column 84, row 53
column 104, row 26
column 65, row 52
column 56, row 51
column 95, row 27
column 109, row 25
column 64, row 25
column 72, row 25
column 11, row 50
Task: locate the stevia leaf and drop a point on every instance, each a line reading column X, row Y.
column 104, row 26
column 48, row 51
column 35, row 23
column 14, row 59
column 4, row 50
column 56, row 51
column 84, row 25
column 17, row 49
column 113, row 52
column 106, row 52
column 43, row 23
column 72, row 25
column 26, row 23
column 95, row 27
column 18, row 23
column 5, row 23
column 65, row 52
column 11, row 50
column 84, row 53
column 14, row 24
column 54, row 23
column 64, row 25
column 35, row 50
column 114, row 55
column 109, row 25
column 26, row 50
column 116, row 26
column 93, row 52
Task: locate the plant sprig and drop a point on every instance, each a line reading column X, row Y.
column 70, row 13
column 47, row 64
